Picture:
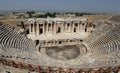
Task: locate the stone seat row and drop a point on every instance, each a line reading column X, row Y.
column 105, row 50
column 108, row 43
column 12, row 38
column 101, row 30
column 11, row 42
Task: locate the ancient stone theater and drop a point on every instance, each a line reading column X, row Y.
column 62, row 45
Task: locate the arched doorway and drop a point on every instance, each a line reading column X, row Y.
column 37, row 42
column 59, row 30
column 74, row 29
column 40, row 28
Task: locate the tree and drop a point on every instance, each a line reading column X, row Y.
column 30, row 13
column 51, row 14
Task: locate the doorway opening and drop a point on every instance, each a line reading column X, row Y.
column 37, row 42
column 59, row 30
column 41, row 31
column 74, row 29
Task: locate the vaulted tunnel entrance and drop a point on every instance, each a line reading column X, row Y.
column 59, row 30
column 41, row 31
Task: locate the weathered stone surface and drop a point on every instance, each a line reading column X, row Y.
column 63, row 52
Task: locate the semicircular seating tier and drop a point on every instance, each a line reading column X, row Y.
column 11, row 41
column 104, row 44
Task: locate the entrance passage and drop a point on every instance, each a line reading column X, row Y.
column 41, row 31
column 37, row 42
column 59, row 30
column 74, row 29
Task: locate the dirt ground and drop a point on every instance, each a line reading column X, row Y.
column 97, row 17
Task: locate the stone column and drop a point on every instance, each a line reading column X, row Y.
column 65, row 27
column 62, row 28
column 73, row 28
column 70, row 27
column 81, row 27
column 55, row 27
column 30, row 28
column 34, row 28
column 47, row 28
column 78, row 27
column 51, row 28
column 37, row 29
column 43, row 29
